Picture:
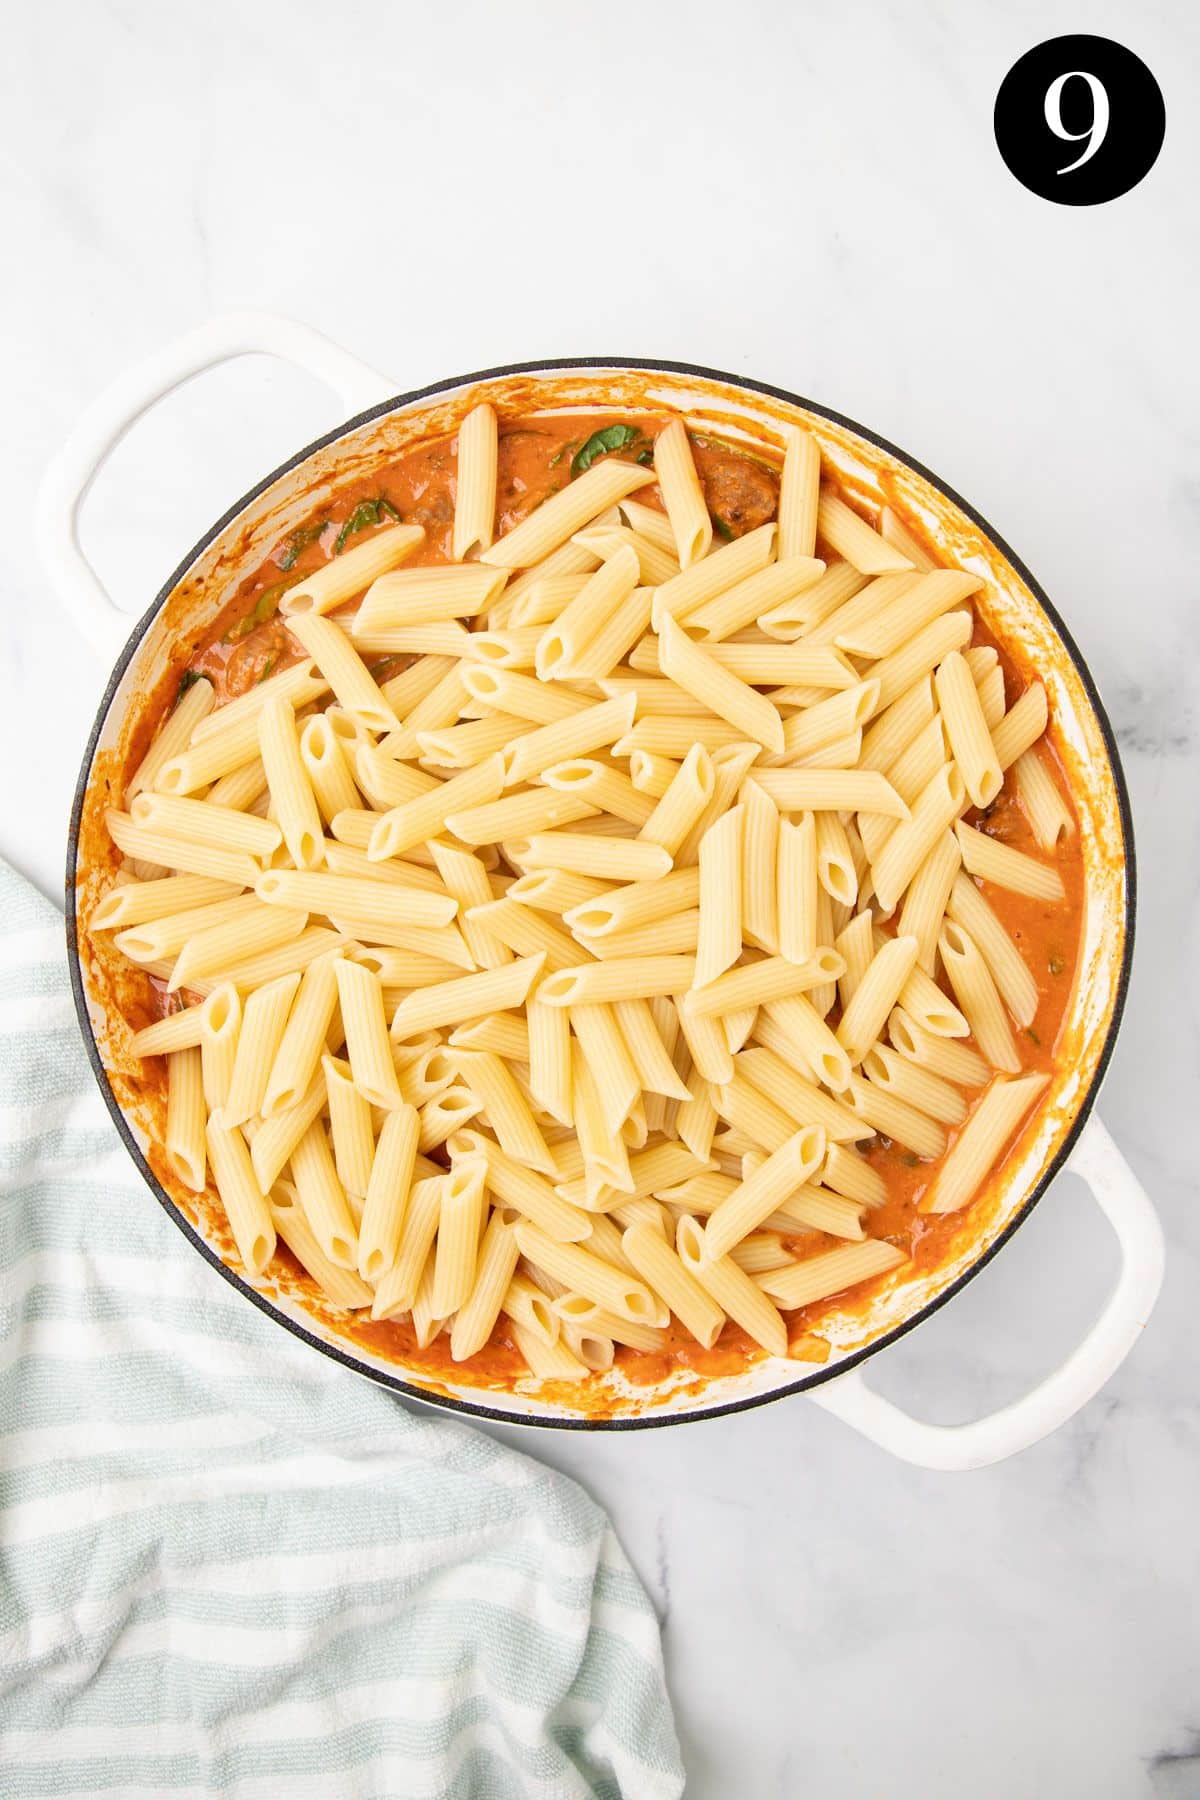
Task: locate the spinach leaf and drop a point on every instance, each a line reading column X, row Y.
column 366, row 513
column 267, row 667
column 645, row 457
column 610, row 437
column 721, row 528
column 188, row 679
column 560, row 453
column 299, row 540
column 265, row 607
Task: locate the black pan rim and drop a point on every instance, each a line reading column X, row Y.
column 820, row 1376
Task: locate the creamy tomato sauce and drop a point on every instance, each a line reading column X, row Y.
column 249, row 641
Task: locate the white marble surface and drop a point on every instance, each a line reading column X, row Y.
column 841, row 225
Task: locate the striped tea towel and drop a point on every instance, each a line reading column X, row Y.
column 226, row 1565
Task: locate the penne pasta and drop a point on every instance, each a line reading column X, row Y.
column 475, row 502
column 346, row 575
column 981, row 1142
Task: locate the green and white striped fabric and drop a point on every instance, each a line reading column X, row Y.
column 226, row 1565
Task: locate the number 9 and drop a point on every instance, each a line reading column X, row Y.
column 1096, row 131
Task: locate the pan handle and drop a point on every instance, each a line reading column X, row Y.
column 1123, row 1201
column 69, row 476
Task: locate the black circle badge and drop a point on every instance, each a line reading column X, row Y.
column 1079, row 120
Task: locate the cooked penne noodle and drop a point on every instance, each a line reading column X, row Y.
column 925, row 902
column 771, row 979
column 397, row 1287
column 992, row 861
column 495, row 1267
column 713, row 574
column 819, row 1277
column 731, row 1288
column 655, row 565
column 361, row 896
column 460, row 1220
column 656, row 1261
column 796, row 888
column 966, row 727
column 232, row 866
column 421, row 819
column 565, row 640
column 639, row 903
column 981, row 1142
column 609, row 860
column 1048, row 813
column 916, row 1087
column 740, row 606
column 812, row 605
column 799, row 494
column 190, row 708
column 831, row 790
column 1017, row 987
column 411, row 597
column 201, row 823
column 585, row 1273
column 1021, row 726
column 789, row 1166
column 303, row 1041
column 326, row 767
column 247, row 1212
column 278, row 1136
column 184, row 1141
column 475, row 503
column 816, row 1045
column 894, row 729
column 470, row 996
column 220, row 1028
column 716, row 688
column 912, row 606
column 899, row 533
column 905, row 849
column 682, row 804
column 360, row 993
column 291, row 791
column 264, row 1019
column 387, row 1193
column 875, row 995
column 766, row 1070
column 550, row 525
column 143, row 902
column 720, row 939
column 760, row 868
column 343, row 668
column 897, row 673
column 351, row 572
column 593, row 984
column 349, row 1127
column 835, row 863
column 978, row 996
column 853, row 538
column 940, row 1055
column 505, row 1108
column 682, row 495
column 849, row 1175
column 550, row 1059
column 602, row 787
column 566, row 739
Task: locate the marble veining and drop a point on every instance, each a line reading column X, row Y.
column 810, row 196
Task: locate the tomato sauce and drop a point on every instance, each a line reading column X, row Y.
column 249, row 641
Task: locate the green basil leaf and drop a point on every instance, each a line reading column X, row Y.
column 188, row 679
column 722, row 529
column 299, row 540
column 610, row 437
column 265, row 607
